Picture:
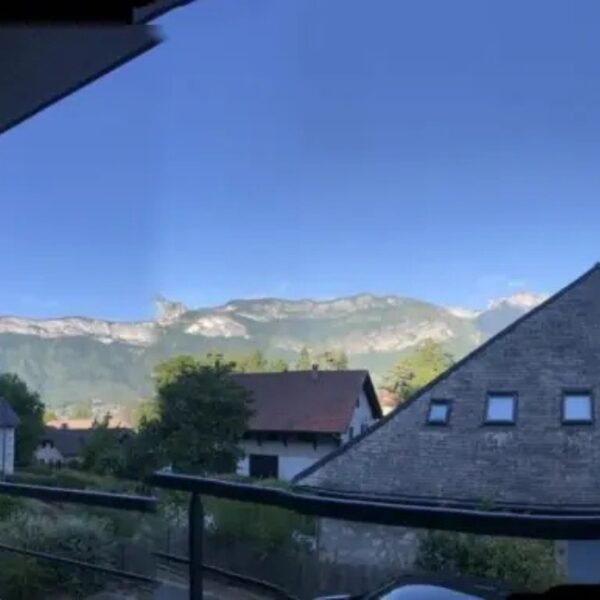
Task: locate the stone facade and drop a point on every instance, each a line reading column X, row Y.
column 536, row 460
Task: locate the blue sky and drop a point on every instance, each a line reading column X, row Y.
column 446, row 151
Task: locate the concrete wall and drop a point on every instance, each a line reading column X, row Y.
column 293, row 458
column 7, row 451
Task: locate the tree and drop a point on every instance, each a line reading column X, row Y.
column 412, row 372
column 50, row 415
column 278, row 365
column 202, row 414
column 142, row 451
column 146, row 409
column 332, row 360
column 30, row 410
column 253, row 363
column 304, row 361
column 102, row 452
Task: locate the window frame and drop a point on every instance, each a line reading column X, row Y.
column 501, row 422
column 576, row 392
column 439, row 402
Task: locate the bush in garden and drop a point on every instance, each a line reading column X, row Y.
column 524, row 564
column 268, row 527
column 24, row 578
column 77, row 537
column 8, row 506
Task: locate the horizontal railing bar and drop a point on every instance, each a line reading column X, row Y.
column 80, row 564
column 507, row 524
column 104, row 499
column 545, row 509
column 242, row 579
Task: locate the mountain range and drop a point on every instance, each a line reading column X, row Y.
column 72, row 359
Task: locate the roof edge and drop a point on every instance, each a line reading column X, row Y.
column 457, row 365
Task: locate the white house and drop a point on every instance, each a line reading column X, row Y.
column 302, row 416
column 8, row 423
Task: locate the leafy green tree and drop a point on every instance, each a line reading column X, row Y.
column 304, row 361
column 278, row 365
column 142, row 451
column 253, row 363
column 416, row 370
column 30, row 410
column 332, row 360
column 81, row 410
column 50, row 415
column 202, row 414
column 146, row 409
column 102, row 451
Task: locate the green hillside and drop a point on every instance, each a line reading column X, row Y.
column 99, row 360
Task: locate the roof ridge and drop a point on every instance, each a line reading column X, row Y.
column 509, row 328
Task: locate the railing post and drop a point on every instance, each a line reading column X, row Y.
column 196, row 535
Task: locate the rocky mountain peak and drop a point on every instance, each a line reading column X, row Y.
column 168, row 311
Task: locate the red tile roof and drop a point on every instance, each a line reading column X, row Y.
column 304, row 401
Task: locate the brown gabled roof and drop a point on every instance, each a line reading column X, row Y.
column 306, row 401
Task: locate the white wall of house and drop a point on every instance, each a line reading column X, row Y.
column 362, row 416
column 293, row 458
column 48, row 454
column 7, row 450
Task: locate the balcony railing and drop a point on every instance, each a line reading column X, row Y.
column 551, row 525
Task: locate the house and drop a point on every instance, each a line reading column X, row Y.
column 514, row 423
column 302, row 416
column 8, row 423
column 63, row 445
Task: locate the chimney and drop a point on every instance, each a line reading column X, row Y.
column 315, row 371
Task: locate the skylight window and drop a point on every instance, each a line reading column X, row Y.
column 439, row 412
column 500, row 409
column 577, row 407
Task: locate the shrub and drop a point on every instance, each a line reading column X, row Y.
column 23, row 578
column 528, row 564
column 8, row 506
column 269, row 526
column 70, row 536
column 73, row 479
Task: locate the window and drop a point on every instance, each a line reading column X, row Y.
column 500, row 409
column 577, row 407
column 439, row 412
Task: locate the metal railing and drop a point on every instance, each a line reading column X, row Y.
column 551, row 526
column 144, row 504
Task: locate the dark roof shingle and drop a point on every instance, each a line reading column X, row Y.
column 305, row 401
